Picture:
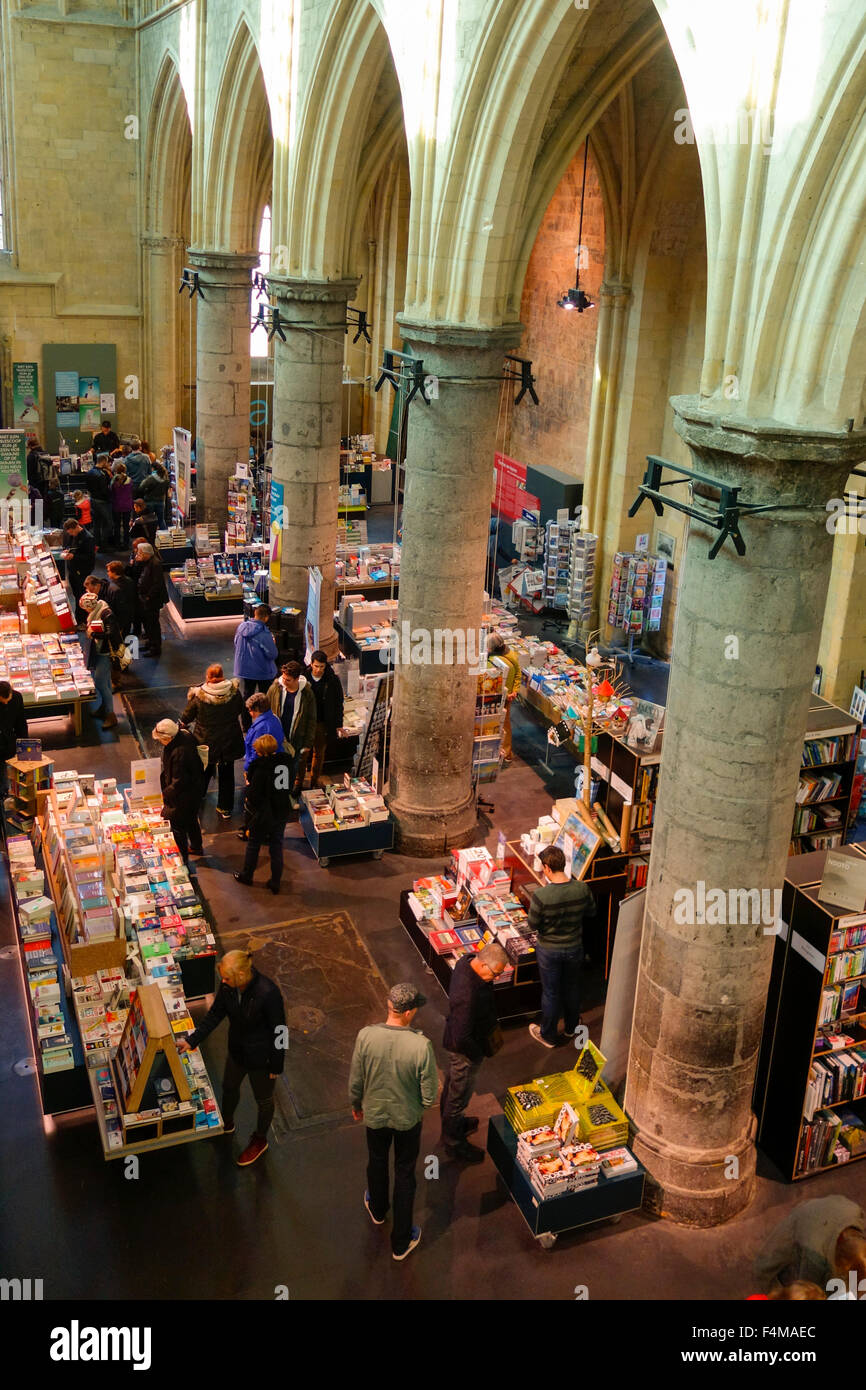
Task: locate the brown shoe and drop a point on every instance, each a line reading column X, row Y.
column 111, row 722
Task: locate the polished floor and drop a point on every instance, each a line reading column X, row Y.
column 192, row 1224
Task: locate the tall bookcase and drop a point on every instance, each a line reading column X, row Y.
column 629, row 785
column 826, row 778
column 798, row 1129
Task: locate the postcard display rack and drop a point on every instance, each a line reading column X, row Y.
column 489, row 720
column 241, row 504
column 637, row 589
column 810, row 1085
column 560, row 1149
column 113, row 902
column 824, row 794
column 451, row 914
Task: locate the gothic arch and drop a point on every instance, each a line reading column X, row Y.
column 168, row 155
column 240, row 151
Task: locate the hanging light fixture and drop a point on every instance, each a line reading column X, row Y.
column 576, row 298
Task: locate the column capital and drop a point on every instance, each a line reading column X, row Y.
column 222, row 267
column 614, row 290
column 292, row 288
column 465, row 336
column 762, row 441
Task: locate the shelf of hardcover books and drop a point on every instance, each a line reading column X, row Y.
column 346, row 819
column 560, row 1147
column 828, row 790
column 448, row 915
column 125, row 921
column 810, row 1085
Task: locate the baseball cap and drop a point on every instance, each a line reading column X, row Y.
column 404, row 997
column 167, row 728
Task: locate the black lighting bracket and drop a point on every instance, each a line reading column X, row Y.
column 260, row 285
column 357, row 318
column 397, row 367
column 269, row 319
column 524, row 376
column 189, row 281
column 725, row 518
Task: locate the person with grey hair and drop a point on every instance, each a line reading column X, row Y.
column 393, row 1080
column 152, row 595
column 471, row 1033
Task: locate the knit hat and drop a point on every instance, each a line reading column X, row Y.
column 167, row 728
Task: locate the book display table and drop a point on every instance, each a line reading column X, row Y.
column 373, row 839
column 548, row 1218
column 520, row 997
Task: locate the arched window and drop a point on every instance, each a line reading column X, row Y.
column 258, row 337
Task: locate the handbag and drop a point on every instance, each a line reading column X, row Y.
column 493, row 1042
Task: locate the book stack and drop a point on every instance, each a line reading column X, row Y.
column 812, row 789
column 616, row 1162
column 320, row 809
column 348, row 814
column 45, row 667
column 602, row 1121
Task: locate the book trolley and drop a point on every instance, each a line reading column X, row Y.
column 810, row 1084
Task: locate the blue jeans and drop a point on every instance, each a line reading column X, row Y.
column 101, row 673
column 560, row 989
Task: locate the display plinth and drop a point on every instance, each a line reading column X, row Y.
column 520, row 998
column 610, row 1199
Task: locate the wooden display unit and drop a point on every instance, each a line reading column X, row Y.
column 842, row 732
column 801, row 973
column 83, row 957
column 28, row 780
column 146, row 1034
column 606, row 877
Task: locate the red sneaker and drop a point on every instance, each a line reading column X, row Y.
column 254, row 1149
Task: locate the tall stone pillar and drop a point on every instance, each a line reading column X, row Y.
column 744, row 654
column 842, row 653
column 308, row 399
column 163, row 403
column 446, row 514
column 222, row 434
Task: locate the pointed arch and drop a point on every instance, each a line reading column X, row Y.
column 168, row 154
column 240, row 150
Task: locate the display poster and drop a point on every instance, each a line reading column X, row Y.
column 182, row 467
column 66, row 400
column 144, row 778
column 510, row 497
column 277, row 513
column 13, row 463
column 106, row 402
column 844, row 881
column 89, row 404
column 622, row 988
column 25, row 394
column 314, row 599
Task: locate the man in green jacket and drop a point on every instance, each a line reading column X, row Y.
column 557, row 911
column 291, row 700
column 393, row 1080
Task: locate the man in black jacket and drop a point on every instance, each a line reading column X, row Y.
column 268, row 806
column 258, row 1039
column 99, row 486
column 468, row 1029
column 181, row 779
column 328, row 695
column 105, row 441
column 144, row 525
column 152, row 595
column 13, row 726
column 80, row 556
column 121, row 597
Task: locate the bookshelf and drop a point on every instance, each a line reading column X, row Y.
column 810, row 1084
column 628, row 790
column 489, row 718
column 827, row 775
column 26, row 780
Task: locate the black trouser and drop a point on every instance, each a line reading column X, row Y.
column 225, row 772
column 121, row 529
column 263, row 1090
column 152, row 629
column 274, row 843
column 103, row 523
column 407, row 1143
column 457, row 1092
column 187, row 831
column 253, row 687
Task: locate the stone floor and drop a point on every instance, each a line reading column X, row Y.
column 193, row 1225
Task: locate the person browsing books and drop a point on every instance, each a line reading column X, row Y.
column 496, row 646
column 557, row 911
column 258, row 1038
column 818, row 1241
column 471, row 1034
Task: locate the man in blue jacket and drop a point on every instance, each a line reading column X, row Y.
column 255, row 653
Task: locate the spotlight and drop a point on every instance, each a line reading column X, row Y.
column 575, row 299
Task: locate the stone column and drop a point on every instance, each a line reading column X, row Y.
column 163, row 402
column 222, row 434
column 843, row 641
column 308, row 399
column 744, row 654
column 446, row 513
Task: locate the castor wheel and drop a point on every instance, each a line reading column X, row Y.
column 547, row 1240
column 377, row 853
column 323, row 863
